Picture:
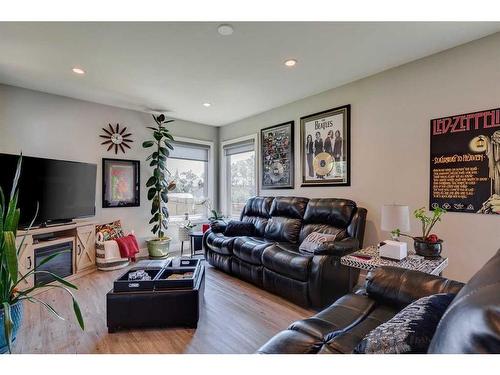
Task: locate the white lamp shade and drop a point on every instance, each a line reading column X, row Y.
column 395, row 216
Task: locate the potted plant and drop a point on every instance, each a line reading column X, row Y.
column 427, row 245
column 11, row 298
column 159, row 186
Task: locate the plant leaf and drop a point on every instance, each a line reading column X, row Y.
column 151, row 193
column 152, row 181
column 10, row 253
column 147, row 144
column 16, row 177
column 8, row 324
column 78, row 313
column 46, row 305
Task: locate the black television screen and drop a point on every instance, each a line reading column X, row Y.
column 64, row 190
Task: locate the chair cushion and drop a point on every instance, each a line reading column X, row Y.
column 220, row 244
column 286, row 219
column 472, row 322
column 329, row 216
column 256, row 211
column 239, row 228
column 249, row 249
column 287, row 263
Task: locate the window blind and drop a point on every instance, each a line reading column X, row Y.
column 189, row 151
column 240, row 147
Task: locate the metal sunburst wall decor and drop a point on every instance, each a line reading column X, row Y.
column 116, row 138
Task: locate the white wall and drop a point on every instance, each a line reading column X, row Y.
column 57, row 127
column 390, row 141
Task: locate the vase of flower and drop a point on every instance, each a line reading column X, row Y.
column 428, row 247
column 16, row 311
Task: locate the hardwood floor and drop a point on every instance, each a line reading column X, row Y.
column 237, row 317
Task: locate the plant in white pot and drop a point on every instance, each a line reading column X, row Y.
column 159, row 186
column 11, row 296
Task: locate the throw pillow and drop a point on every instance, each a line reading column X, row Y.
column 410, row 330
column 314, row 239
column 110, row 231
column 239, row 228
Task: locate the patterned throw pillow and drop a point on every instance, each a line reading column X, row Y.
column 314, row 239
column 110, row 231
column 410, row 330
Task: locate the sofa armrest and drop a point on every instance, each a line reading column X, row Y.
column 399, row 287
column 218, row 226
column 338, row 248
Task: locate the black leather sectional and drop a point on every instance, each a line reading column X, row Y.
column 271, row 257
column 470, row 324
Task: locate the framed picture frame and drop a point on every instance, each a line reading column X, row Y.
column 325, row 147
column 277, row 156
column 120, row 183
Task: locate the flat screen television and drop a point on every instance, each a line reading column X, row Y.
column 64, row 190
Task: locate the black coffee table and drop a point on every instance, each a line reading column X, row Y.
column 156, row 308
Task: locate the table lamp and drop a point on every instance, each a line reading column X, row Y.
column 395, row 219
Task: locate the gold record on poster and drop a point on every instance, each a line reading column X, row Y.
column 323, row 164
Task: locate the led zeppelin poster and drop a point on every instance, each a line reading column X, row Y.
column 465, row 162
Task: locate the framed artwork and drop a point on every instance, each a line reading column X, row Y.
column 277, row 156
column 325, row 147
column 120, row 183
column 465, row 162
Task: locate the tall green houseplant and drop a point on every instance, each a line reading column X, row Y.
column 158, row 187
column 11, row 298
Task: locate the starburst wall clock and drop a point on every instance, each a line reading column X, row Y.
column 116, row 138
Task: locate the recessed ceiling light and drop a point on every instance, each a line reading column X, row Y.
column 207, row 105
column 78, row 70
column 290, row 62
column 225, row 29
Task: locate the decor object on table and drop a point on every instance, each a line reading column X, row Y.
column 428, row 245
column 108, row 257
column 11, row 297
column 394, row 216
column 410, row 331
column 465, row 162
column 120, row 183
column 159, row 186
column 325, row 147
column 214, row 215
column 116, row 138
column 277, row 147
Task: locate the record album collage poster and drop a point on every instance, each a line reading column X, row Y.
column 465, row 162
column 325, row 150
column 277, row 156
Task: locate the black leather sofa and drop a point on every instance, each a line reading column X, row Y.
column 471, row 323
column 271, row 257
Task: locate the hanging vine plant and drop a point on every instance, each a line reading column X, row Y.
column 159, row 184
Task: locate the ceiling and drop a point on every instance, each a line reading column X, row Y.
column 176, row 67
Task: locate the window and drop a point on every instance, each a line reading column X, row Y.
column 188, row 164
column 240, row 173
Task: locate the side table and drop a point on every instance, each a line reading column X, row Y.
column 196, row 239
column 369, row 258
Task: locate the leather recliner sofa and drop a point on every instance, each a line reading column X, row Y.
column 470, row 324
column 271, row 258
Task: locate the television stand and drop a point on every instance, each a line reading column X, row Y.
column 82, row 233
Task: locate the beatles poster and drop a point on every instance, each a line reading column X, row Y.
column 465, row 162
column 325, row 147
column 277, row 156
